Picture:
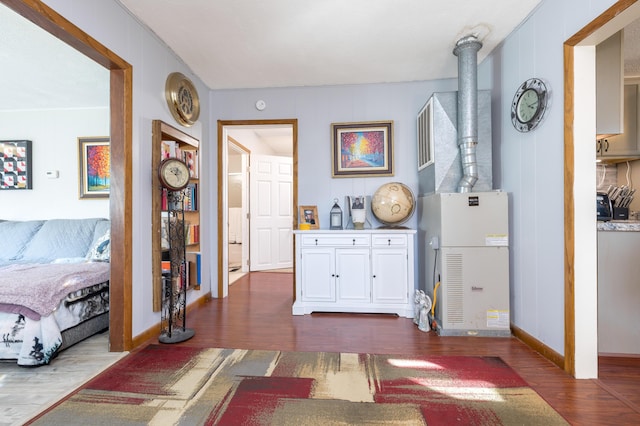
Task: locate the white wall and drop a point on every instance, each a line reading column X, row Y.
column 152, row 61
column 54, row 138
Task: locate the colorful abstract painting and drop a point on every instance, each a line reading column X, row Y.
column 95, row 167
column 362, row 149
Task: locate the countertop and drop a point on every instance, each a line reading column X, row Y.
column 619, row 225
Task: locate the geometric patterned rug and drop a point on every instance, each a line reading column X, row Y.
column 180, row 385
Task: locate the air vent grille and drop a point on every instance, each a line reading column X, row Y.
column 425, row 135
column 454, row 289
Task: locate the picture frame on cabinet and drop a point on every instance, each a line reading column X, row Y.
column 94, row 167
column 362, row 149
column 309, row 215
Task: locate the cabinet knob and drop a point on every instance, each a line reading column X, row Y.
column 389, row 241
column 354, row 241
column 316, row 241
column 374, row 276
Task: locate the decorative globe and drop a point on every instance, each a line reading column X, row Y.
column 393, row 203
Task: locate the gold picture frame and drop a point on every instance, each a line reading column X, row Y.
column 362, row 149
column 94, row 167
column 309, row 214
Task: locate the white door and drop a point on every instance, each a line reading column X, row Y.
column 271, row 212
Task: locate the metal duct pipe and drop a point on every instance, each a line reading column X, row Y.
column 466, row 50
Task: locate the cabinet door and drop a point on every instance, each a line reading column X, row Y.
column 353, row 282
column 609, row 85
column 625, row 144
column 317, row 267
column 389, row 275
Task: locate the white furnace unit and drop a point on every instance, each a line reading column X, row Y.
column 467, row 253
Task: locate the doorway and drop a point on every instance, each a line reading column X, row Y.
column 580, row 234
column 258, row 138
column 237, row 209
column 120, row 199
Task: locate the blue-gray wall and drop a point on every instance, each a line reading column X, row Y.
column 530, row 166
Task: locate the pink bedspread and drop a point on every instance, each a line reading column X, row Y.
column 41, row 287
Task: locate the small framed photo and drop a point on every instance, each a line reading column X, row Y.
column 362, row 149
column 94, row 159
column 309, row 214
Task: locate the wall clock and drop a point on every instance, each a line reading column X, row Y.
column 174, row 174
column 529, row 105
column 182, row 98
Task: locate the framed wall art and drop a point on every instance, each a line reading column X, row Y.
column 309, row 214
column 94, row 161
column 362, row 149
column 15, row 165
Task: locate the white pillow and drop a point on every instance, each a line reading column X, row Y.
column 101, row 250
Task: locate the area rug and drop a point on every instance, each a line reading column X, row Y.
column 179, row 385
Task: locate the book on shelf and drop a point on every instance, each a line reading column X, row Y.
column 190, row 157
column 192, row 234
column 168, row 149
column 195, row 275
column 191, row 197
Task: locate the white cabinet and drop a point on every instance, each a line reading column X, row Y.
column 609, row 85
column 624, row 146
column 367, row 271
column 618, row 292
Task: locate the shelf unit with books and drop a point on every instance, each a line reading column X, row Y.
column 167, row 141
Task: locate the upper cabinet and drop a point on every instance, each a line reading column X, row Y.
column 625, row 146
column 609, row 86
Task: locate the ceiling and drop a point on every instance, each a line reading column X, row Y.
column 41, row 72
column 284, row 43
column 252, row 44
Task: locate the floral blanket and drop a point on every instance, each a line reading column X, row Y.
column 40, row 287
column 46, row 300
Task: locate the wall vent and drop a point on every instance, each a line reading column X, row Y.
column 425, row 135
column 454, row 303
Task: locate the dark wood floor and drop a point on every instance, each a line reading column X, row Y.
column 257, row 315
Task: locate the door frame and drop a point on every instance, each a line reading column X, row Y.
column 580, row 235
column 222, row 289
column 120, row 194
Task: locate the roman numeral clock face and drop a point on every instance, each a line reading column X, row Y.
column 529, row 105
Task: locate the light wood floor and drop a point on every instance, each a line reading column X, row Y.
column 257, row 315
column 25, row 392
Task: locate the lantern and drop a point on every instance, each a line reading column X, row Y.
column 335, row 215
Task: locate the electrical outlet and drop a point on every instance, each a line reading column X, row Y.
column 434, row 243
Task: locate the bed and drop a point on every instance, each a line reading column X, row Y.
column 54, row 286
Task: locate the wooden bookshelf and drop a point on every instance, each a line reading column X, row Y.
column 169, row 141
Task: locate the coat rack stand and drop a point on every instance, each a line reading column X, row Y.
column 174, row 296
